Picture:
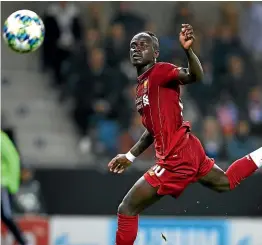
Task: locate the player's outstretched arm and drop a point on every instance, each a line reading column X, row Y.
column 194, row 72
column 122, row 161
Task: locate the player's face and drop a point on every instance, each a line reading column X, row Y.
column 141, row 50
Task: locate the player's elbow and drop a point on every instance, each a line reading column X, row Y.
column 198, row 77
column 191, row 79
column 195, row 77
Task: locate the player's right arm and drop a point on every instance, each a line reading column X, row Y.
column 142, row 144
column 122, row 161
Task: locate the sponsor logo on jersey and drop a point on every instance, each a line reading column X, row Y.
column 145, row 100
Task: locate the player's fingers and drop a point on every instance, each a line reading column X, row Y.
column 190, row 36
column 185, row 25
column 189, row 32
column 111, row 162
column 121, row 170
column 188, row 28
column 117, row 167
column 118, row 171
column 114, row 165
column 112, row 169
column 189, row 39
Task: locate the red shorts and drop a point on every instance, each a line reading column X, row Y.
column 186, row 166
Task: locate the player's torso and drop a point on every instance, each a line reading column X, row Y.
column 160, row 109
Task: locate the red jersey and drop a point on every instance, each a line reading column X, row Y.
column 158, row 102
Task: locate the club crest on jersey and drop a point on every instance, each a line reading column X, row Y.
column 145, row 83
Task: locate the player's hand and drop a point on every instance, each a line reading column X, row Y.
column 119, row 164
column 186, row 36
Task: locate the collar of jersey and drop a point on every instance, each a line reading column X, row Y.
column 142, row 76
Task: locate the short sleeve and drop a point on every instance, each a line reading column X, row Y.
column 166, row 73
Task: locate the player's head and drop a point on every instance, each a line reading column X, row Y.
column 144, row 49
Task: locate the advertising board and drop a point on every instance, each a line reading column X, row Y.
column 153, row 231
column 79, row 231
column 35, row 228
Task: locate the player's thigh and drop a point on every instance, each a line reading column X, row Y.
column 172, row 179
column 209, row 174
column 139, row 197
column 215, row 179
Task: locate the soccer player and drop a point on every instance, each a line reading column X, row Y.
column 180, row 157
column 10, row 179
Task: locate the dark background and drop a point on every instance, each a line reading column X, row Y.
column 91, row 192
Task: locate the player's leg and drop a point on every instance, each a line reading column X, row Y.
column 242, row 168
column 7, row 218
column 216, row 180
column 140, row 196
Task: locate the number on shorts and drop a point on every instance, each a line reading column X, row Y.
column 158, row 170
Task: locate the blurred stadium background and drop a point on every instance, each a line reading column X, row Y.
column 69, row 108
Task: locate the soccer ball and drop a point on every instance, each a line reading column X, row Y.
column 24, row 31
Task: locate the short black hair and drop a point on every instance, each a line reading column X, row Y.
column 154, row 38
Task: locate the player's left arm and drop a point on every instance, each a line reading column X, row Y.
column 169, row 73
column 194, row 72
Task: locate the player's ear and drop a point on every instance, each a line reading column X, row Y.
column 156, row 54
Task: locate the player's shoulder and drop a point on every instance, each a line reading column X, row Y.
column 166, row 72
column 165, row 65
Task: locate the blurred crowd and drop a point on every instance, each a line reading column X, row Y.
column 91, row 70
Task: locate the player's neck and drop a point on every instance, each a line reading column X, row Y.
column 142, row 70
